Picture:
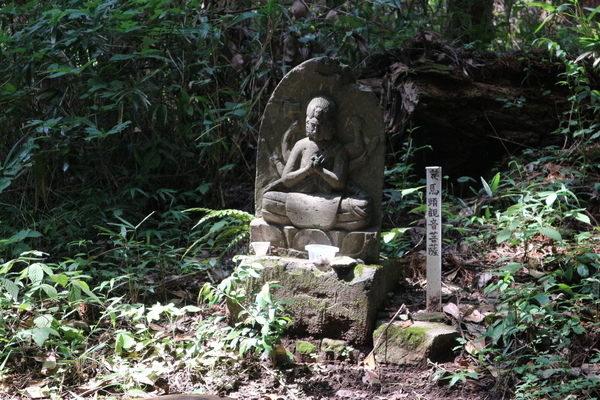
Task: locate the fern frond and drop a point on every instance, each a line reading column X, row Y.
column 227, row 228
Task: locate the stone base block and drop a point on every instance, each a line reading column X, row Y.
column 327, row 302
column 415, row 344
column 363, row 245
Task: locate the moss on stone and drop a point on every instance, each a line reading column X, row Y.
column 305, row 348
column 410, row 338
column 334, row 346
column 358, row 270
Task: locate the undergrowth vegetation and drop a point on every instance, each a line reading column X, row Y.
column 126, row 162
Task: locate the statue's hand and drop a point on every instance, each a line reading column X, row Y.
column 317, row 162
column 274, row 158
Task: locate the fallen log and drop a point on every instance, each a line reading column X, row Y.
column 474, row 110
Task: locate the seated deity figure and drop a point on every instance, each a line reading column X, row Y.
column 315, row 190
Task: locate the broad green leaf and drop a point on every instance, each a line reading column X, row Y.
column 503, row 236
column 550, row 232
column 40, row 335
column 566, row 288
column 583, row 218
column 83, row 286
column 61, row 279
column 551, row 198
column 121, row 57
column 124, row 342
column 35, row 273
column 71, row 334
column 74, row 293
column 154, row 312
column 49, row 290
column 42, row 321
column 406, row 192
column 388, row 236
column 12, row 288
column 583, row 271
column 9, row 87
column 541, row 298
column 511, row 268
column 4, row 183
column 578, row 329
column 495, row 182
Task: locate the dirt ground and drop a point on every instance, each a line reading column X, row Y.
column 349, row 378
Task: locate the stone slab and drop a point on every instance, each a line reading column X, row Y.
column 336, row 303
column 415, row 344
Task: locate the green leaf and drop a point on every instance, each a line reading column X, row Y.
column 124, row 342
column 9, row 87
column 35, row 273
column 551, row 198
column 495, row 182
column 253, row 273
column 61, row 279
column 583, row 218
column 42, row 321
column 511, row 268
column 550, row 232
column 388, row 236
column 84, row 287
column 488, row 189
column 49, row 290
column 541, row 298
column 546, row 7
column 566, row 288
column 12, row 288
column 118, row 128
column 71, row 334
column 244, row 16
column 40, row 335
column 503, row 236
column 121, row 57
column 4, row 183
column 583, row 270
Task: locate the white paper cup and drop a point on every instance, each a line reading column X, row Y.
column 261, row 248
column 321, row 253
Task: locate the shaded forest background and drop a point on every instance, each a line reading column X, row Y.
column 127, row 153
column 127, row 108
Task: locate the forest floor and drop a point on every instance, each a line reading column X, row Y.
column 350, row 378
column 470, row 264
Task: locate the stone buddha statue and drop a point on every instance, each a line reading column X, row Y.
column 314, row 190
column 319, row 169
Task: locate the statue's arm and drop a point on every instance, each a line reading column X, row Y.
column 291, row 178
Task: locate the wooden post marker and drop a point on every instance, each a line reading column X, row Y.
column 434, row 239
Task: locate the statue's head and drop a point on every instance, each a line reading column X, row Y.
column 320, row 118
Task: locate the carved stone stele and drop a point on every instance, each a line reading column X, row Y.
column 320, row 162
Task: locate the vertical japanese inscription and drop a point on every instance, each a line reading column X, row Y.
column 434, row 239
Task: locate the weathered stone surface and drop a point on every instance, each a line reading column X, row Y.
column 343, row 262
column 333, row 349
column 327, row 302
column 415, row 344
column 320, row 163
column 430, row 316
